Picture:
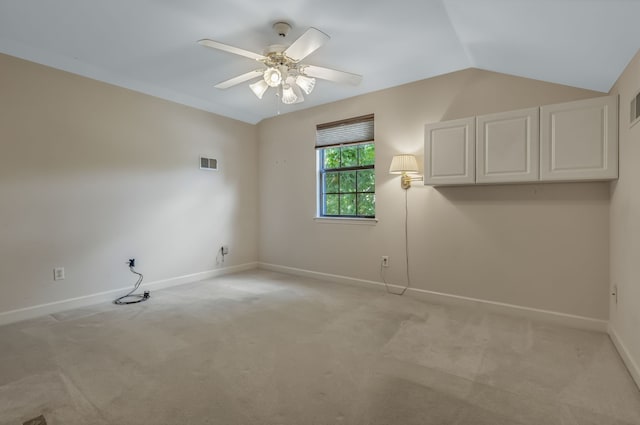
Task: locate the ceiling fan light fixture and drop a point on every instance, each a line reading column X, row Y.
column 273, row 77
column 305, row 83
column 298, row 93
column 288, row 95
column 259, row 88
column 282, row 68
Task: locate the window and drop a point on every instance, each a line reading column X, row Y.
column 346, row 168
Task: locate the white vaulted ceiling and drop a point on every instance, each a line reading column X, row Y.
column 150, row 45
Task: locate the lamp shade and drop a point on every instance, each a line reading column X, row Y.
column 259, row 87
column 273, row 77
column 288, row 95
column 305, row 83
column 403, row 164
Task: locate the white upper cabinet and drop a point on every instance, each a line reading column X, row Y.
column 571, row 141
column 579, row 140
column 449, row 152
column 507, row 146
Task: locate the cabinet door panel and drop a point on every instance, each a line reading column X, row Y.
column 449, row 152
column 579, row 140
column 508, row 146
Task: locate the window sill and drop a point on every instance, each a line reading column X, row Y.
column 346, row 220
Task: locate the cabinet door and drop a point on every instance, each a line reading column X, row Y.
column 508, row 146
column 579, row 140
column 449, row 152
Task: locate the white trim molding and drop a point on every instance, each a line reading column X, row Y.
column 346, row 220
column 629, row 362
column 547, row 316
column 35, row 311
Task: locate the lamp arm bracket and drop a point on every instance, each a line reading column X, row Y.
column 405, row 181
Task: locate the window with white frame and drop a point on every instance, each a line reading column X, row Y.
column 346, row 168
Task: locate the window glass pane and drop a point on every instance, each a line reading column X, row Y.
column 348, row 204
column 331, row 183
column 367, row 204
column 331, row 158
column 347, row 181
column 366, row 154
column 366, row 181
column 332, row 204
column 349, row 156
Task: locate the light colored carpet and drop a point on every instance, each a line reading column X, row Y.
column 266, row 348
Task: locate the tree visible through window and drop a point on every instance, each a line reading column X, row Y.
column 347, row 181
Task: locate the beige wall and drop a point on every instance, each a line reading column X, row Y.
column 625, row 224
column 543, row 246
column 92, row 174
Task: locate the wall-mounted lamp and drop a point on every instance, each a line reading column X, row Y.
column 405, row 165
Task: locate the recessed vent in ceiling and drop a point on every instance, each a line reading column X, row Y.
column 635, row 109
column 208, row 163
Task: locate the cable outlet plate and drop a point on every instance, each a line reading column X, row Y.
column 58, row 273
column 385, row 261
column 225, row 249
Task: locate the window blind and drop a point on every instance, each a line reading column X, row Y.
column 345, row 132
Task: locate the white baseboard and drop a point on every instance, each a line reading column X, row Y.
column 632, row 366
column 108, row 296
column 579, row 322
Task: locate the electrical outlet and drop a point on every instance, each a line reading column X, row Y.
column 225, row 249
column 58, row 273
column 385, row 261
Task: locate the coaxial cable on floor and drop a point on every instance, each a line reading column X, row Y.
column 132, row 298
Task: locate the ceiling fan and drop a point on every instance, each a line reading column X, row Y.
column 282, row 69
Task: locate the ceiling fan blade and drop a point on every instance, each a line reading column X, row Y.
column 306, row 44
column 239, row 79
column 230, row 49
column 331, row 74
